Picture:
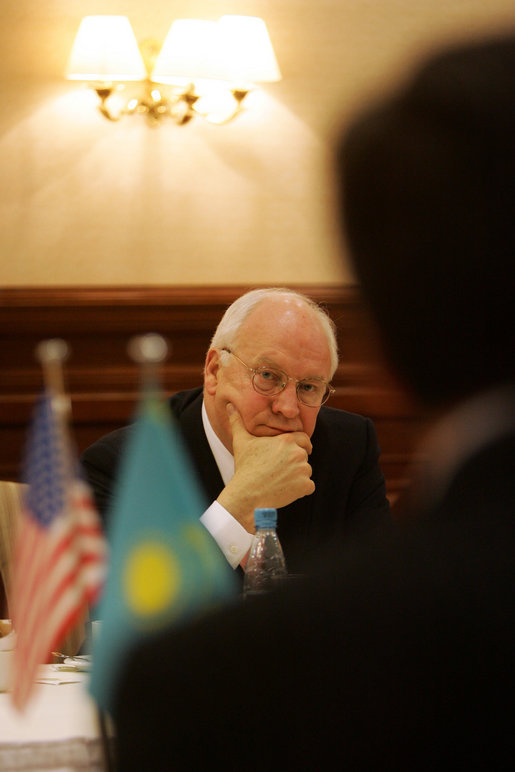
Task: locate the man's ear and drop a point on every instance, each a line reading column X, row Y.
column 211, row 371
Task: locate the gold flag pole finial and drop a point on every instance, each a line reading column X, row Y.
column 52, row 354
column 149, row 351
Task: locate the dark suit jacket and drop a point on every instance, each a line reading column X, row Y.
column 396, row 656
column 350, row 487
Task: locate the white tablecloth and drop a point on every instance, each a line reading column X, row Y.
column 58, row 730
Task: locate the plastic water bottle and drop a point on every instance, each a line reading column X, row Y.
column 266, row 565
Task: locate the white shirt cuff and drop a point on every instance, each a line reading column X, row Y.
column 231, row 536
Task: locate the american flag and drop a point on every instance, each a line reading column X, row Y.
column 60, row 551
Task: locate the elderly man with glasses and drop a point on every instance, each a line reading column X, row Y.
column 259, row 436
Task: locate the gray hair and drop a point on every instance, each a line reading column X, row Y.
column 238, row 311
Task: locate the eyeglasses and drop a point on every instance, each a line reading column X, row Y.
column 312, row 392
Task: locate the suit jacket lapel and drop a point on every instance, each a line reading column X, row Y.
column 190, row 423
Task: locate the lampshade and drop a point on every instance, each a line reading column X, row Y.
column 105, row 49
column 247, row 49
column 190, row 52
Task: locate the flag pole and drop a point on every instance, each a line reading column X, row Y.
column 164, row 566
column 52, row 354
column 149, row 351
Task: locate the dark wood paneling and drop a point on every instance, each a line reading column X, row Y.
column 104, row 382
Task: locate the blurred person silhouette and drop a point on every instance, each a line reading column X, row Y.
column 397, row 653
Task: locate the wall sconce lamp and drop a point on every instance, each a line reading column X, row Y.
column 207, row 68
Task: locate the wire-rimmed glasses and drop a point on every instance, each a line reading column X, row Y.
column 270, row 381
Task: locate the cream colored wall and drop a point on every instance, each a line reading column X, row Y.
column 85, row 201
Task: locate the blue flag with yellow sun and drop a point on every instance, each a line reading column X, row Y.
column 164, row 567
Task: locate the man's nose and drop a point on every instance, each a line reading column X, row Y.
column 286, row 401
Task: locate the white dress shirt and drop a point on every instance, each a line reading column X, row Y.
column 229, row 534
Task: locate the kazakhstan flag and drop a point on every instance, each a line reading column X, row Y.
column 164, row 566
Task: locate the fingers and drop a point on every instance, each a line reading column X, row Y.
column 302, row 440
column 269, row 471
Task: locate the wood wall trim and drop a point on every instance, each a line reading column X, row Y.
column 223, row 294
column 104, row 383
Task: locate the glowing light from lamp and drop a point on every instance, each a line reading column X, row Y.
column 105, row 50
column 247, row 49
column 210, row 66
column 190, row 52
column 235, row 49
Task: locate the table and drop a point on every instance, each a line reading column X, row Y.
column 59, row 729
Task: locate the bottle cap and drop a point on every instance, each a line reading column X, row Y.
column 265, row 517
